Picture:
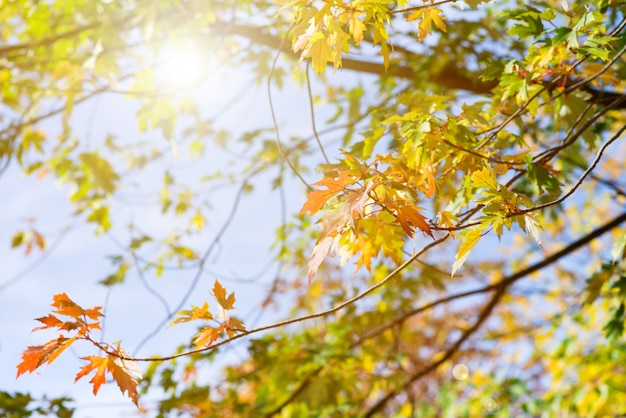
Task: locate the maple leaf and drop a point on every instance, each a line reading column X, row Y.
column 126, row 374
column 428, row 16
column 193, row 314
column 94, row 313
column 49, row 321
column 356, row 28
column 320, row 251
column 233, row 326
column 447, row 220
column 470, row 238
column 410, row 218
column 97, row 363
column 206, row 336
column 484, row 178
column 220, row 294
column 35, row 356
column 318, row 198
column 319, row 51
column 301, row 42
column 66, row 306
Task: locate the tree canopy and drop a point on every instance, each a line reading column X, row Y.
column 448, row 213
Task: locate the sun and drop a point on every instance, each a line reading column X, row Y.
column 180, row 67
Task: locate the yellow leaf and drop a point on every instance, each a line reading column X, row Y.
column 484, row 178
column 428, row 17
column 356, row 28
column 447, row 219
column 320, row 52
column 469, row 240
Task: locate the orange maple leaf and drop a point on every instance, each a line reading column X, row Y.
column 36, row 356
column 206, row 336
column 125, row 373
column 318, row 198
column 410, row 218
column 99, row 364
column 66, row 306
column 49, row 321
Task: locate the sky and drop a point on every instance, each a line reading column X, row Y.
column 75, row 258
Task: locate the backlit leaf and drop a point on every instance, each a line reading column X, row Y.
column 469, row 239
column 428, row 16
column 318, row 198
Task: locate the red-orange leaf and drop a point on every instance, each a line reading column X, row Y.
column 66, row 306
column 318, row 198
column 35, row 356
column 410, row 218
column 94, row 313
column 124, row 372
column 49, row 321
column 99, row 364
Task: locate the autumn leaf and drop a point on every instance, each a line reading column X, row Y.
column 356, row 28
column 36, row 356
column 49, row 321
column 470, row 238
column 532, row 227
column 66, row 306
column 484, row 178
column 97, row 363
column 193, row 314
column 39, row 240
column 409, row 218
column 428, row 16
column 126, row 373
column 318, row 198
column 320, row 251
column 17, row 239
column 319, row 51
column 447, row 219
column 206, row 336
column 220, row 294
column 233, row 326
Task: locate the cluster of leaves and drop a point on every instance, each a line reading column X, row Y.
column 123, row 369
column 368, row 199
column 228, row 325
column 81, row 323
